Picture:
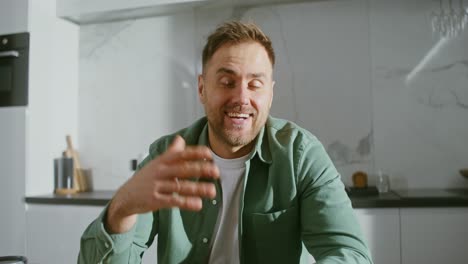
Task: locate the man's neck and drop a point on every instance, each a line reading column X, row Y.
column 227, row 151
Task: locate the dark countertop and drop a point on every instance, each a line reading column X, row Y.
column 413, row 198
column 96, row 198
column 392, row 199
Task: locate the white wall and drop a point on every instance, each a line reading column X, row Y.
column 137, row 83
column 340, row 73
column 13, row 16
column 420, row 117
column 53, row 92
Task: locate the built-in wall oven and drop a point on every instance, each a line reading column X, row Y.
column 14, row 60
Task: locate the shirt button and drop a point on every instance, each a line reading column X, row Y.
column 205, row 240
column 106, row 245
column 214, row 202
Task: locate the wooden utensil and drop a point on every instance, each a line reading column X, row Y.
column 78, row 178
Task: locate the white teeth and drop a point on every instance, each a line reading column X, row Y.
column 238, row 115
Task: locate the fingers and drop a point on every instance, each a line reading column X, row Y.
column 189, row 153
column 181, row 161
column 192, row 203
column 178, row 151
column 178, row 144
column 182, row 194
column 193, row 169
column 187, row 188
column 169, row 173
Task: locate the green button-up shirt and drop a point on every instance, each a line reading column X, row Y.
column 292, row 196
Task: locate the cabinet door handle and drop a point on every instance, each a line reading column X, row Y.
column 10, row 53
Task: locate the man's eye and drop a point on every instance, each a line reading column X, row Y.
column 228, row 83
column 256, row 84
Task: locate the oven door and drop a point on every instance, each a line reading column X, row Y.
column 14, row 57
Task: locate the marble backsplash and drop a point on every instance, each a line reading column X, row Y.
column 367, row 77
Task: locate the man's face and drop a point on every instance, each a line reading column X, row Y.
column 236, row 91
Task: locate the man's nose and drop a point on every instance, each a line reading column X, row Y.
column 241, row 94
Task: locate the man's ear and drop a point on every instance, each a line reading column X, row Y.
column 201, row 88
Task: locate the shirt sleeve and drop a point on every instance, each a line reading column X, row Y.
column 98, row 246
column 329, row 228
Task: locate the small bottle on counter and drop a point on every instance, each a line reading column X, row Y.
column 382, row 182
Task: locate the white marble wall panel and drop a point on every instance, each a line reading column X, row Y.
column 420, row 96
column 137, row 83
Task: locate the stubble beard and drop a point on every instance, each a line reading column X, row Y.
column 230, row 136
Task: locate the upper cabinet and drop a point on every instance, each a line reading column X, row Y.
column 100, row 11
column 13, row 16
column 92, row 11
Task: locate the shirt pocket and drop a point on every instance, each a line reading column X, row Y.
column 273, row 237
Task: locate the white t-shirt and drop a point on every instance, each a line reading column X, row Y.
column 225, row 248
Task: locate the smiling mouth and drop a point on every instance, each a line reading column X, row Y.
column 238, row 115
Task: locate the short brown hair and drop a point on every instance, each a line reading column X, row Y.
column 236, row 32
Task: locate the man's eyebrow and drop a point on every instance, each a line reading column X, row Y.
column 257, row 75
column 232, row 72
column 225, row 70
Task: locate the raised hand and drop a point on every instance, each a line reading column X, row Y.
column 164, row 182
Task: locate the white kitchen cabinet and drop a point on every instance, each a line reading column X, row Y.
column 434, row 235
column 381, row 228
column 12, row 152
column 90, row 11
column 54, row 232
column 13, row 16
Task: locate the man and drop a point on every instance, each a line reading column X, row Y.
column 238, row 186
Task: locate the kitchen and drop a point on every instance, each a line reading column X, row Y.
column 370, row 78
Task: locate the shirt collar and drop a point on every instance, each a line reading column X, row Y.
column 262, row 147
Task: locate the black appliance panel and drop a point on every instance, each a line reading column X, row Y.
column 14, row 61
